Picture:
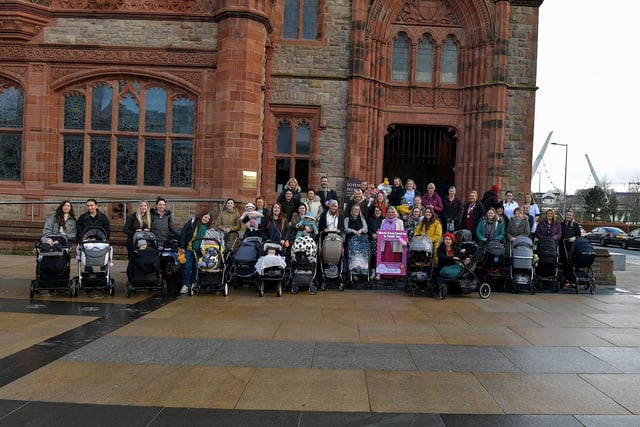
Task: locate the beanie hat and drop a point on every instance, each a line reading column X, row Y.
column 495, row 188
column 249, row 206
column 142, row 242
column 449, row 235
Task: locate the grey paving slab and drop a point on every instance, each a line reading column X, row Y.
column 263, row 354
column 460, row 358
column 138, row 350
column 556, row 360
column 362, row 356
column 80, row 415
column 172, row 417
column 360, row 419
column 481, row 420
column 626, row 359
column 609, row 420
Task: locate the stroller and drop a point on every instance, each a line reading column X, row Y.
column 493, row 263
column 331, row 264
column 212, row 263
column 144, row 271
column 304, row 261
column 546, row 270
column 169, row 265
column 420, row 265
column 581, row 258
column 465, row 280
column 53, row 266
column 271, row 268
column 94, row 265
column 358, row 251
column 522, row 264
column 243, row 268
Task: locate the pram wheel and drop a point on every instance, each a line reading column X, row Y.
column 279, row 289
column 341, row 286
column 128, row 289
column 225, row 289
column 443, row 290
column 295, row 289
column 323, row 286
column 313, row 289
column 163, row 288
column 112, row 287
column 484, row 291
column 261, row 289
column 74, row 286
column 32, row 289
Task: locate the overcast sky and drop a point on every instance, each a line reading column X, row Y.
column 589, row 93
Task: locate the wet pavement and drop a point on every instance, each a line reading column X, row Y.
column 358, row 357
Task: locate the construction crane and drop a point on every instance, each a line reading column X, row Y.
column 538, row 159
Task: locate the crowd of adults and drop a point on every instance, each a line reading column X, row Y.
column 388, row 206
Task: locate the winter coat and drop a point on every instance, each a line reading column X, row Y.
column 85, row 221
column 51, row 227
column 163, row 226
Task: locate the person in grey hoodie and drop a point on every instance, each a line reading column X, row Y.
column 162, row 224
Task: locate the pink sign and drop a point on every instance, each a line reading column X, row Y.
column 397, row 268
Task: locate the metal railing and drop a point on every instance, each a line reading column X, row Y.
column 116, row 209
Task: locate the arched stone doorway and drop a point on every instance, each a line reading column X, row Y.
column 422, row 153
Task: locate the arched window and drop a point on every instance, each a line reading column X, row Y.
column 400, row 62
column 300, row 19
column 11, row 122
column 128, row 133
column 293, row 152
column 449, row 66
column 424, row 64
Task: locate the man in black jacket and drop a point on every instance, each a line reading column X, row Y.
column 325, row 193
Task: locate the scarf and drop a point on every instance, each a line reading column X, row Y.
column 389, row 224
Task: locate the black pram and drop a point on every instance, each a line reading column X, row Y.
column 53, row 266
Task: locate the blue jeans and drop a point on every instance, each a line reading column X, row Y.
column 190, row 268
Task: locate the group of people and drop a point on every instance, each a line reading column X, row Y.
column 388, row 206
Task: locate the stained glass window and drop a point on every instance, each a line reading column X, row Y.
column 11, row 122
column 115, row 156
column 73, row 159
column 155, row 117
column 449, row 67
column 293, row 152
column 101, row 101
column 424, row 64
column 74, row 111
column 154, row 155
column 284, row 138
column 100, row 160
column 127, row 170
column 400, row 63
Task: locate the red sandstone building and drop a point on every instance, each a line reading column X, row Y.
column 228, row 98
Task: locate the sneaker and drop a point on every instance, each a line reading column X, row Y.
column 184, row 290
column 377, row 277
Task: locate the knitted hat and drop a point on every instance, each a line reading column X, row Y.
column 142, row 242
column 249, row 206
column 495, row 188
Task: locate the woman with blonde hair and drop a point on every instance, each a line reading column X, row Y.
column 140, row 220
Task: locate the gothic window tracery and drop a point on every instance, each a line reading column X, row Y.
column 11, row 126
column 149, row 143
column 293, row 151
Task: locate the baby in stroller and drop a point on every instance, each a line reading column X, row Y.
column 143, row 271
column 271, row 267
column 420, row 264
column 94, row 252
column 304, row 258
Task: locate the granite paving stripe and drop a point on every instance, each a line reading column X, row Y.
column 480, row 420
column 367, row 419
column 272, row 354
column 626, row 359
column 556, row 360
column 609, row 420
column 69, row 308
column 460, row 358
column 195, row 417
column 362, row 356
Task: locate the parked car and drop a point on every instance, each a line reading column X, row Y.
column 631, row 240
column 606, row 236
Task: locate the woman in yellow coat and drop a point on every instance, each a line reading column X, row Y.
column 430, row 226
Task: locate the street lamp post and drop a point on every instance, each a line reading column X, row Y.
column 566, row 155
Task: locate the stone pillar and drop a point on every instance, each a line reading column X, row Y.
column 238, row 113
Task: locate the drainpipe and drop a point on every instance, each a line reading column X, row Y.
column 266, row 128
